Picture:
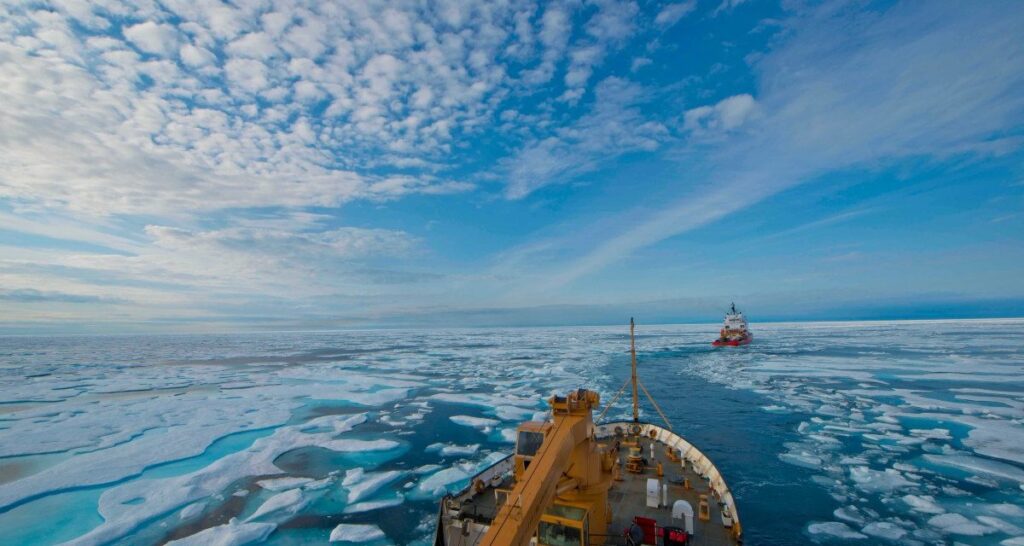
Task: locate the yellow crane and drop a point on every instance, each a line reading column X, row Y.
column 567, row 476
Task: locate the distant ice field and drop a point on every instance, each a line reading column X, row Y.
column 833, row 433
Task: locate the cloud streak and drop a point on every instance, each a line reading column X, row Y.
column 836, row 94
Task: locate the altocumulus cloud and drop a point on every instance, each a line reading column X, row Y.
column 194, row 114
column 114, row 108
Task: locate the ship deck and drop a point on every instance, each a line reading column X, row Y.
column 628, row 499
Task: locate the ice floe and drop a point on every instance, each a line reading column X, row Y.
column 957, row 524
column 160, row 496
column 356, row 533
column 875, row 481
column 282, row 484
column 286, row 504
column 923, row 503
column 192, row 510
column 368, row 483
column 834, row 529
column 231, row 534
column 369, row 506
column 884, row 529
column 482, row 423
column 460, row 450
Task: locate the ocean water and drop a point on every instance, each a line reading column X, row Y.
column 832, row 433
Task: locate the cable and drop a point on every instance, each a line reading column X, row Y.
column 651, row 399
column 610, row 404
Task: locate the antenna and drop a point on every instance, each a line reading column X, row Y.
column 632, row 353
column 636, row 384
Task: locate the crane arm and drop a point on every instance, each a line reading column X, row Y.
column 518, row 518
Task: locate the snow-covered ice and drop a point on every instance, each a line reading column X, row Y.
column 475, row 422
column 835, row 529
column 356, row 533
column 230, row 534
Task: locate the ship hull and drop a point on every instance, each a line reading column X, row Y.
column 732, row 342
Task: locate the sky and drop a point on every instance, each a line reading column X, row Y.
column 198, row 165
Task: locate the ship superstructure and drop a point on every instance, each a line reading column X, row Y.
column 574, row 482
column 735, row 330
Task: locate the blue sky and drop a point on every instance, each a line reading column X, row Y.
column 185, row 165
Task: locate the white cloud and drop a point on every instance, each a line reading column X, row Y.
column 555, row 30
column 639, row 63
column 247, row 74
column 615, row 20
column 403, row 91
column 150, row 37
column 729, row 113
column 609, row 28
column 223, row 21
column 287, row 257
column 613, row 127
column 727, row 5
column 196, row 56
column 672, row 13
column 255, row 45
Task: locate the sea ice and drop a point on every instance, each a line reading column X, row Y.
column 352, row 476
column 1001, row 525
column 351, row 445
column 368, row 506
column 161, row 496
column 192, row 510
column 884, row 529
column 231, row 534
column 356, row 533
column 923, row 503
column 978, row 465
column 957, row 524
column 194, row 430
column 803, row 459
column 439, row 483
column 884, row 398
column 835, row 529
column 482, row 423
column 849, row 514
column 460, row 450
column 1011, row 510
column 281, row 504
column 282, row 484
column 1001, row 439
column 486, row 401
column 874, row 481
column 513, row 413
column 370, row 483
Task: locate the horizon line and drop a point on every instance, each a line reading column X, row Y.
column 839, row 322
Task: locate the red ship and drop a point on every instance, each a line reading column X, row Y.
column 734, row 330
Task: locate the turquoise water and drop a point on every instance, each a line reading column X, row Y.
column 52, row 519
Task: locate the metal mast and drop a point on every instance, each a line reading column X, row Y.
column 636, row 384
column 632, row 352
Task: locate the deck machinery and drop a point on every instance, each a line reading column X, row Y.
column 571, row 482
